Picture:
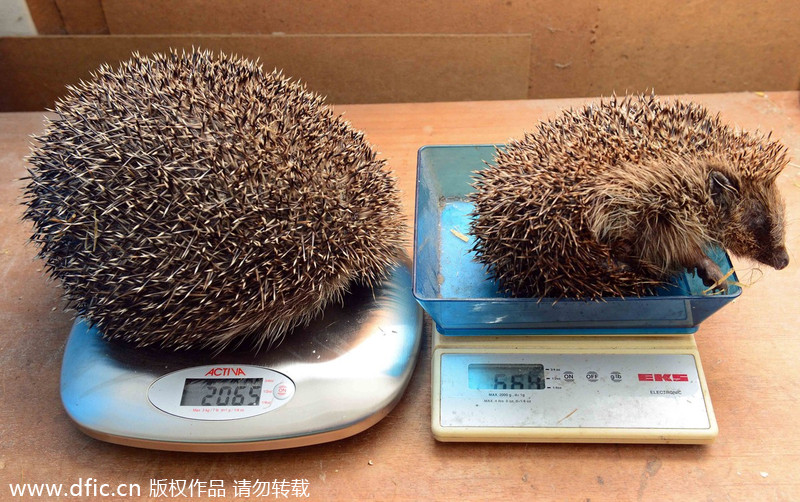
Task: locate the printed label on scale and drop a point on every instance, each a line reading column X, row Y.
column 572, row 390
column 221, row 392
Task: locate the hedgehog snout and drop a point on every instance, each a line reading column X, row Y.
column 780, row 259
column 776, row 257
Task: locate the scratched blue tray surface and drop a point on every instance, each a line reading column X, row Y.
column 459, row 295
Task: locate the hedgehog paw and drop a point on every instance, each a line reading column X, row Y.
column 711, row 275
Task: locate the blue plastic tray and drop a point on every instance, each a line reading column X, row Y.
column 458, row 294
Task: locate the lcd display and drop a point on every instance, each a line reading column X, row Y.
column 506, row 376
column 222, row 392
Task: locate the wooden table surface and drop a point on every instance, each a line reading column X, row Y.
column 749, row 351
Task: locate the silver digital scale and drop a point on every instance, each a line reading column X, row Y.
column 332, row 379
column 519, row 369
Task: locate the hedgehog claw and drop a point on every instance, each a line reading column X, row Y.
column 722, row 287
column 711, row 275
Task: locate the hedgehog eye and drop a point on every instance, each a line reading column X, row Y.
column 757, row 220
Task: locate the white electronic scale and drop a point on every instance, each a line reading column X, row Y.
column 598, row 388
column 519, row 369
column 327, row 381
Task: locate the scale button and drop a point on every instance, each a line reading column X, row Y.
column 592, row 376
column 616, row 376
column 281, row 391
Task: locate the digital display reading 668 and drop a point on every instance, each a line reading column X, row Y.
column 506, row 376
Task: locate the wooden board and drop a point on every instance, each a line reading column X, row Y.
column 75, row 17
column 693, row 47
column 46, row 17
column 345, row 68
column 579, row 48
column 83, row 17
column 749, row 352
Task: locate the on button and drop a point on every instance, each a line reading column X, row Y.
column 281, row 391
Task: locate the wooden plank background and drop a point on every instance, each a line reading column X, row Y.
column 345, row 68
column 579, row 48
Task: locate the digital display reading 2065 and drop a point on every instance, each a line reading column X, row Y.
column 506, row 376
column 222, row 392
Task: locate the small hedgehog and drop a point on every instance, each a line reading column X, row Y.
column 186, row 200
column 612, row 199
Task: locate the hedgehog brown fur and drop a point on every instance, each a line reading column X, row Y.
column 613, row 198
column 187, row 200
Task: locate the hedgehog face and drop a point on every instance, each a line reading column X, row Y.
column 754, row 226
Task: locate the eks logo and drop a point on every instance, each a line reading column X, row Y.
column 663, row 377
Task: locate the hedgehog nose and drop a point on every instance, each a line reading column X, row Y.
column 781, row 259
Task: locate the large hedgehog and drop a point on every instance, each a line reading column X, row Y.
column 187, row 200
column 613, row 198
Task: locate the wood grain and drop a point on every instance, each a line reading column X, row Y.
column 749, row 351
column 345, row 68
column 578, row 48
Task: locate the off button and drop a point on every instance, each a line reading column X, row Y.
column 282, row 391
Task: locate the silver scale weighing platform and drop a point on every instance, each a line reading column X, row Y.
column 327, row 381
column 515, row 369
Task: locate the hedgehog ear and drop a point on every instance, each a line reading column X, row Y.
column 723, row 190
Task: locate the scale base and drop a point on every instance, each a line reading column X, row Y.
column 244, row 446
column 593, row 389
column 332, row 379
